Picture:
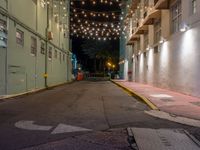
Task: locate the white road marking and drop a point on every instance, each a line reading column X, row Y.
column 63, row 128
column 29, row 125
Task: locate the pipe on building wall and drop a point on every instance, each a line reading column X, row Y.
column 6, row 57
column 46, row 50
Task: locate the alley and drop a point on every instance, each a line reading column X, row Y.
column 92, row 114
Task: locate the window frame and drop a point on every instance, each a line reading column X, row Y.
column 42, row 48
column 50, row 52
column 33, row 45
column 55, row 54
column 176, row 16
column 20, row 38
column 146, row 40
column 194, row 7
column 157, row 31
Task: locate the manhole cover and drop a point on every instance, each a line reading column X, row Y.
column 196, row 103
column 166, row 99
column 163, row 139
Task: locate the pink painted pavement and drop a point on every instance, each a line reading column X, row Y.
column 166, row 100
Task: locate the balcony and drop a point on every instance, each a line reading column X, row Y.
column 152, row 15
column 141, row 29
column 162, row 4
column 132, row 39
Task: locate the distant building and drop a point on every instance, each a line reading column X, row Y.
column 34, row 45
column 161, row 44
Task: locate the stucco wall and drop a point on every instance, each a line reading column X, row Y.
column 24, row 71
column 176, row 66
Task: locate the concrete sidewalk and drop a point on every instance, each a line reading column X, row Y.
column 164, row 100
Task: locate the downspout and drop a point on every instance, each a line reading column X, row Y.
column 6, row 61
column 46, row 50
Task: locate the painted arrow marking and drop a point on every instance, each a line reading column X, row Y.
column 62, row 128
column 29, row 125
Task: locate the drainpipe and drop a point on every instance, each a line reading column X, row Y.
column 46, row 50
column 6, row 61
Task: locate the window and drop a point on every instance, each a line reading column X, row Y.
column 55, row 54
column 20, row 37
column 176, row 16
column 60, row 57
column 194, row 6
column 3, row 34
column 63, row 57
column 33, row 46
column 157, row 31
column 50, row 52
column 146, row 40
column 42, row 48
column 138, row 45
column 156, row 50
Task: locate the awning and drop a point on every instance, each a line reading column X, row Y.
column 142, row 29
column 130, row 43
column 155, row 14
column 162, row 4
column 135, row 37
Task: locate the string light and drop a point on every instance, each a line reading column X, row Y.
column 97, row 25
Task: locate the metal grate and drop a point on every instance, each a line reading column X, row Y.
column 196, row 103
column 167, row 99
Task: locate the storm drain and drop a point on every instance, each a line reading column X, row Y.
column 166, row 100
column 196, row 103
column 161, row 139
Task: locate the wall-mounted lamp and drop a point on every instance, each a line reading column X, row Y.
column 184, row 27
column 162, row 40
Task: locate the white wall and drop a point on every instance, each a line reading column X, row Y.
column 177, row 64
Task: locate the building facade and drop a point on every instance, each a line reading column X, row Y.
column 162, row 44
column 34, row 45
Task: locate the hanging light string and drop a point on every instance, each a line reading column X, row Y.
column 98, row 25
column 94, row 2
column 94, row 14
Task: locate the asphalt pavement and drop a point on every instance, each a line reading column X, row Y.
column 81, row 115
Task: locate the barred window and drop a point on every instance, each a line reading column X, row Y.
column 50, row 52
column 33, row 46
column 42, row 48
column 157, row 31
column 3, row 34
column 63, row 57
column 176, row 16
column 146, row 40
column 60, row 57
column 56, row 54
column 20, row 37
column 194, row 6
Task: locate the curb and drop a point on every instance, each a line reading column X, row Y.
column 34, row 91
column 134, row 94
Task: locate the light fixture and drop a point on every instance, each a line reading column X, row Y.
column 184, row 27
column 162, row 40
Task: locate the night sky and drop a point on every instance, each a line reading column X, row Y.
column 77, row 42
